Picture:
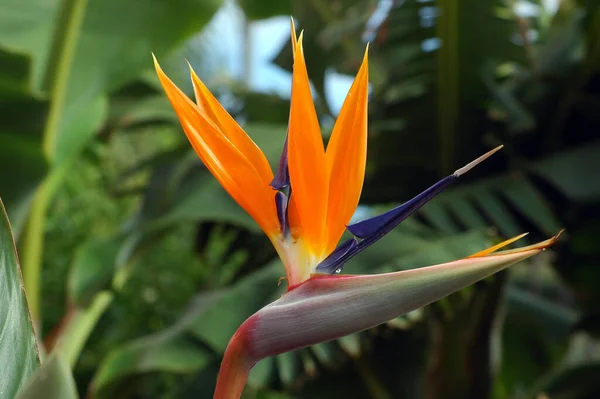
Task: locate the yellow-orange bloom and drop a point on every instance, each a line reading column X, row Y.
column 326, row 184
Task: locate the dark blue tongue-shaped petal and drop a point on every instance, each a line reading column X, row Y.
column 281, row 181
column 282, row 175
column 281, row 202
column 331, row 265
column 370, row 230
column 382, row 224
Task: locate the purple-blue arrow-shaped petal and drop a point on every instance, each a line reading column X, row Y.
column 330, row 264
column 282, row 175
column 380, row 225
column 281, row 202
column 370, row 230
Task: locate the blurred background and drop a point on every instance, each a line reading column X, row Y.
column 140, row 267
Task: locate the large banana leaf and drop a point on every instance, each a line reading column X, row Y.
column 20, row 126
column 18, row 346
column 111, row 47
column 82, row 50
column 52, row 381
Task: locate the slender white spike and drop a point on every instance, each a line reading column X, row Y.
column 472, row 164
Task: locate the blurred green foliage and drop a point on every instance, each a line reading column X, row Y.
column 147, row 267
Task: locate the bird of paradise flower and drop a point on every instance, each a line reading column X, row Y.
column 304, row 209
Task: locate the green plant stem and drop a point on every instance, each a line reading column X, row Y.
column 59, row 70
column 33, row 243
column 79, row 327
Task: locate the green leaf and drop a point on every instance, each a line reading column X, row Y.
column 173, row 350
column 26, row 26
column 132, row 113
column 561, row 49
column 84, row 120
column 212, row 318
column 569, row 171
column 328, row 354
column 93, row 268
column 577, row 382
column 19, row 137
column 351, row 345
column 18, row 347
column 463, row 210
column 113, row 47
column 535, row 336
column 287, row 366
column 53, row 381
column 262, row 373
column 216, row 325
column 18, row 186
column 205, row 199
column 438, row 217
column 523, row 195
column 14, row 81
column 97, row 46
column 494, row 209
column 497, row 199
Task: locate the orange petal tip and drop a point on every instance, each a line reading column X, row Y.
column 497, row 246
column 540, row 246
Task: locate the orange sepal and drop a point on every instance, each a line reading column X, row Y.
column 306, row 160
column 294, row 37
column 226, row 162
column 497, row 246
column 230, row 128
column 347, row 156
column 492, row 250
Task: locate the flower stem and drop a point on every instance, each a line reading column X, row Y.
column 235, row 367
column 57, row 79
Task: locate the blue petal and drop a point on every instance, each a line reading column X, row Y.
column 382, row 224
column 370, row 230
column 331, row 265
column 281, row 202
column 282, row 176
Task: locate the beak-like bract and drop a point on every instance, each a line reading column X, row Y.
column 328, row 307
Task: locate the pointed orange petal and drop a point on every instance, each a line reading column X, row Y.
column 293, row 33
column 497, row 246
column 306, row 162
column 230, row 128
column 347, row 155
column 540, row 245
column 230, row 167
column 293, row 218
